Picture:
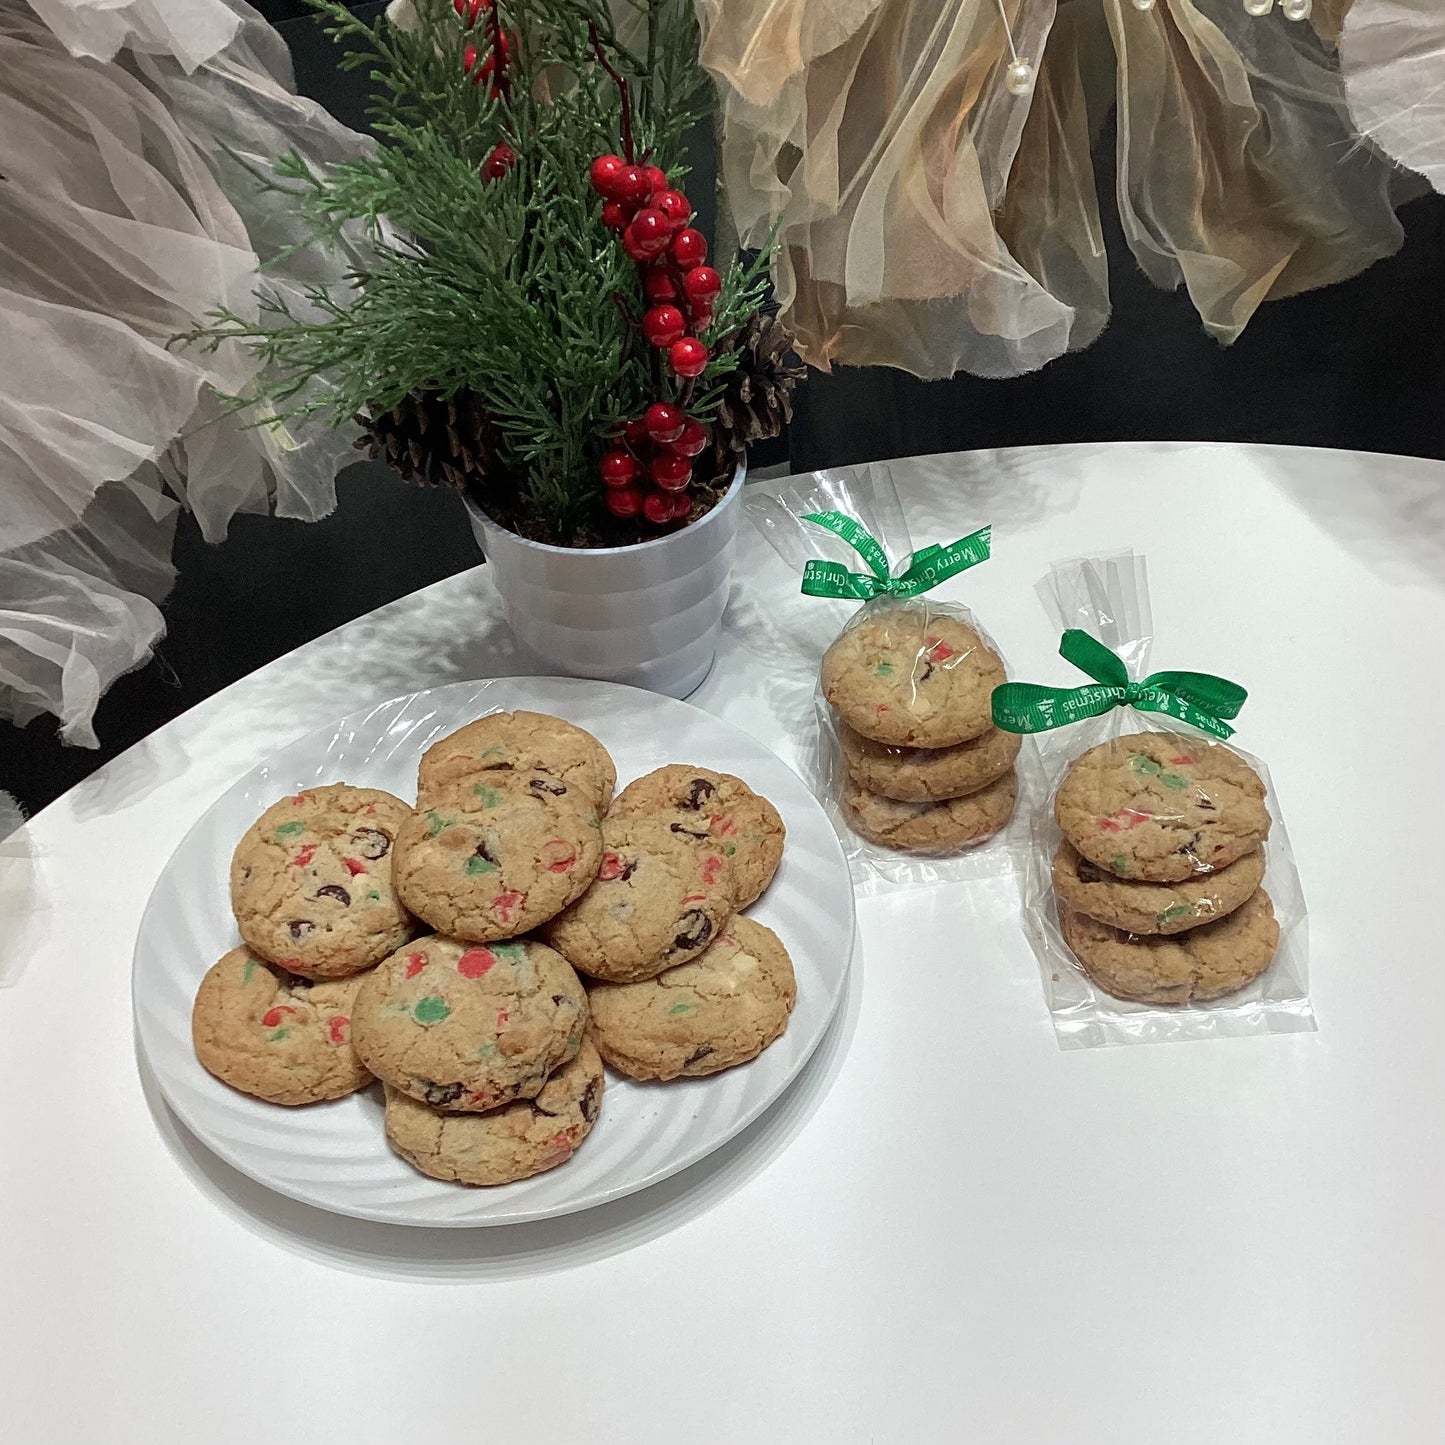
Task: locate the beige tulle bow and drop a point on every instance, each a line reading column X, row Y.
column 930, row 219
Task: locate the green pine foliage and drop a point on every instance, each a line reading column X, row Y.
column 512, row 286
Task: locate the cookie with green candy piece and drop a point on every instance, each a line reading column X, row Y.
column 469, row 1027
column 722, row 1009
column 932, row 828
column 911, row 675
column 311, row 881
column 1139, row 907
column 503, row 743
column 717, row 809
column 1205, row 963
column 1161, row 807
column 484, row 862
column 276, row 1035
column 510, row 1143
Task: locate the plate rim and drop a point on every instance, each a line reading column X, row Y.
column 684, row 1160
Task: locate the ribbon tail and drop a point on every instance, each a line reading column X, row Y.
column 1216, row 695
column 1158, row 700
column 1090, row 655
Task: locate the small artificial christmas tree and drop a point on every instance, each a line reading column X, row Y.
column 539, row 325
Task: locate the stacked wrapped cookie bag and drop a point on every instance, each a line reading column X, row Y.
column 1160, row 894
column 482, row 954
column 910, row 765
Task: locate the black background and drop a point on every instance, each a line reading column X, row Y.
column 1360, row 365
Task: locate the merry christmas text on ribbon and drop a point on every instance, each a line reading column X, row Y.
column 926, row 568
column 1197, row 698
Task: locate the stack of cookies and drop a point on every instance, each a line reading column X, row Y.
column 483, row 1035
column 926, row 770
column 1158, row 877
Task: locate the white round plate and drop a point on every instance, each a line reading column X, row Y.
column 335, row 1155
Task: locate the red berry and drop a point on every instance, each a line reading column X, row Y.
column 701, row 315
column 638, row 252
column 674, row 205
column 469, row 58
column 689, row 248
column 501, row 160
column 631, row 186
column 665, row 422
column 635, row 433
column 603, row 175
column 657, row 508
column 614, row 215
column 470, row 10
column 656, row 179
column 663, row 325
column 623, row 501
column 693, row 440
column 658, row 286
column 681, row 505
column 648, row 232
column 619, row 469
column 688, row 356
column 670, row 471
column 703, row 284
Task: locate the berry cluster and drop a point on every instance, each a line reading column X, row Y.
column 652, row 217
column 487, row 61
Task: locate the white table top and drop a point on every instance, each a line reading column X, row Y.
column 950, row 1231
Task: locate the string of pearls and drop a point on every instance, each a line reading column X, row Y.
column 1020, row 74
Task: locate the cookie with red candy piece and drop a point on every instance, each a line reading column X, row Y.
column 716, row 808
column 515, row 1142
column 909, row 675
column 498, row 856
column 1161, row 807
column 276, row 1035
column 469, row 1027
column 311, row 881
column 659, row 899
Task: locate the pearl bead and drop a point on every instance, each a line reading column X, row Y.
column 1019, row 77
column 1143, row 4
column 1258, row 7
column 1296, row 9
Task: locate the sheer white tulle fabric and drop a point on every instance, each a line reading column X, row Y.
column 125, row 217
column 931, row 220
column 1392, row 53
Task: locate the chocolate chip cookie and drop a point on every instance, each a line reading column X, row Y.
column 469, row 1027
column 311, row 881
column 274, row 1034
column 1204, row 963
column 723, row 1008
column 518, row 742
column 1161, row 807
column 943, row 827
column 716, row 809
column 484, row 862
column 510, row 1143
column 1154, row 907
column 928, row 775
column 659, row 899
column 912, row 676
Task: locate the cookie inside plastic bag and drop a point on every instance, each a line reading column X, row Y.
column 910, row 767
column 1160, row 894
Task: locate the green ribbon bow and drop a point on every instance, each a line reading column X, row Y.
column 926, row 568
column 1198, row 698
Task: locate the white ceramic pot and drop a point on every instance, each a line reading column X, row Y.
column 648, row 615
